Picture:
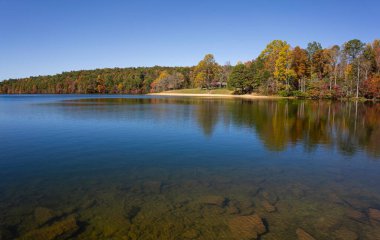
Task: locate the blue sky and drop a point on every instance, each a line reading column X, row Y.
column 47, row 37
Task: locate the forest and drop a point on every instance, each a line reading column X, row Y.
column 350, row 70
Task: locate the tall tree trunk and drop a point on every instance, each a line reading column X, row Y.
column 357, row 81
column 330, row 83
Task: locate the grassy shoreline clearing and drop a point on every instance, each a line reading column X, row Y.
column 225, row 93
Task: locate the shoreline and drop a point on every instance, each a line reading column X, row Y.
column 210, row 95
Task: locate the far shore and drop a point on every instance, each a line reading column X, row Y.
column 210, row 95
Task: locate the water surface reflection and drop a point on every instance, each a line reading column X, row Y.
column 101, row 167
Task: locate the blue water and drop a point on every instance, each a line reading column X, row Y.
column 150, row 167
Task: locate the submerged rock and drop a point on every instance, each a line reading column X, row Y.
column 356, row 215
column 374, row 214
column 232, row 209
column 214, row 200
column 303, row 235
column 268, row 206
column 245, row 206
column 345, row 234
column 247, row 227
column 131, row 212
column 43, row 215
column 59, row 230
column 270, row 197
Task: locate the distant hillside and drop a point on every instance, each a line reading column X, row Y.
column 107, row 80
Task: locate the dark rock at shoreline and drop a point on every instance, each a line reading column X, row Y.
column 247, row 227
column 303, row 235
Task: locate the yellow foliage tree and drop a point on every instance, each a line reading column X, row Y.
column 283, row 71
column 206, row 72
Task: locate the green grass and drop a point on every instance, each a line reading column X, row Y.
column 202, row 91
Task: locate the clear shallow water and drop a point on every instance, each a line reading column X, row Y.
column 138, row 167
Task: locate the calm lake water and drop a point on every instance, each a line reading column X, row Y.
column 145, row 167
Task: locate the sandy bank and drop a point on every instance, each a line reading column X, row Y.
column 208, row 95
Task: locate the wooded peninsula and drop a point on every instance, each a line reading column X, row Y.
column 348, row 71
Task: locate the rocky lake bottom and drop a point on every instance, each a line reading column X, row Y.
column 253, row 203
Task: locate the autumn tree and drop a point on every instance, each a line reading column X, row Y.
column 367, row 61
column 299, row 65
column 206, row 72
column 312, row 49
column 372, row 87
column 353, row 50
column 166, row 81
column 269, row 56
column 376, row 50
column 283, row 71
column 101, row 88
column 335, row 54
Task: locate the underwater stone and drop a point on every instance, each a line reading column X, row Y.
column 270, row 197
column 374, row 214
column 345, row 234
column 43, row 215
column 268, row 206
column 59, row 230
column 247, row 227
column 303, row 235
column 246, row 206
column 356, row 215
column 214, row 200
column 132, row 212
column 232, row 209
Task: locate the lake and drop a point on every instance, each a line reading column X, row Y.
column 151, row 167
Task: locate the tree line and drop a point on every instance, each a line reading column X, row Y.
column 350, row 70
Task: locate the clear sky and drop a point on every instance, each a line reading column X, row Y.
column 50, row 36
